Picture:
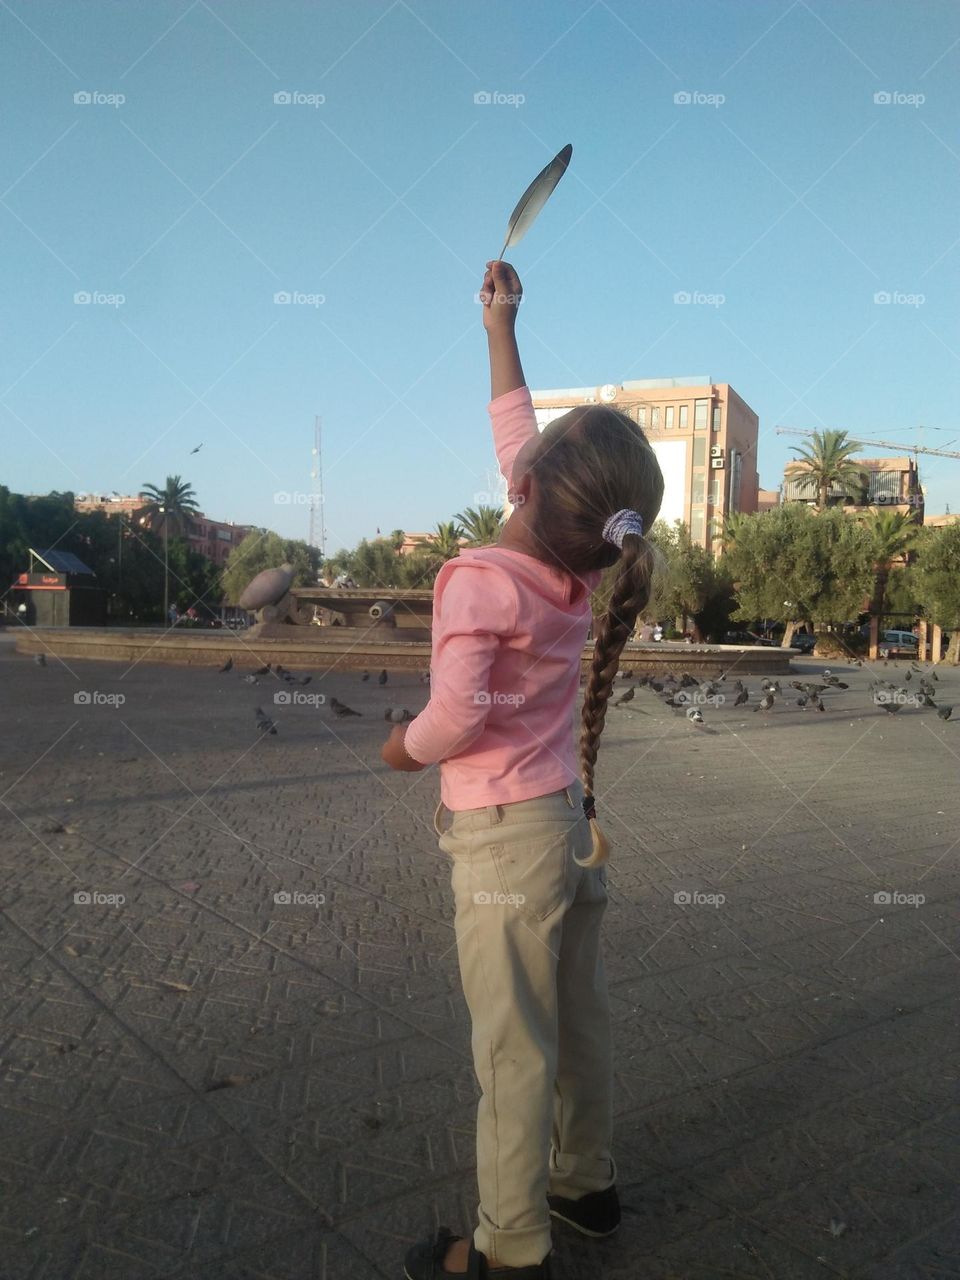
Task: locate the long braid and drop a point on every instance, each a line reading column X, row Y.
column 631, row 592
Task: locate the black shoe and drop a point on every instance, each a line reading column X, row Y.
column 595, row 1214
column 425, row 1262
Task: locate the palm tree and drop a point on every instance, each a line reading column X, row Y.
column 895, row 534
column 174, row 506
column 445, row 540
column 827, row 463
column 397, row 539
column 175, row 502
column 733, row 523
column 481, row 527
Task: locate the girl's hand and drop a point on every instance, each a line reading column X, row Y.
column 395, row 755
column 500, row 294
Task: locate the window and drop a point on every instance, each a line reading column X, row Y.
column 699, row 451
column 700, row 415
column 684, row 415
column 668, row 416
column 696, row 526
column 716, row 417
column 696, row 491
column 716, row 492
column 642, row 416
column 655, row 416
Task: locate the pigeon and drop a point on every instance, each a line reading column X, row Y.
column 40, row 659
column 262, row 671
column 770, row 686
column 264, row 723
column 742, row 696
column 934, row 676
column 802, row 700
column 816, row 703
column 927, row 700
column 944, row 712
column 625, row 696
column 227, row 666
column 398, row 715
column 909, row 675
column 280, row 671
column 695, row 715
column 686, row 680
column 249, row 679
column 365, row 676
column 887, row 704
column 341, row 709
column 198, row 448
column 766, row 702
column 382, row 677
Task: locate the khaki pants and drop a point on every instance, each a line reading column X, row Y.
column 528, row 937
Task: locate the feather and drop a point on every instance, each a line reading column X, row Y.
column 535, row 197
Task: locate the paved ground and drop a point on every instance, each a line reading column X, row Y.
column 204, row 1081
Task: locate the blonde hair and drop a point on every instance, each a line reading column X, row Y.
column 589, row 464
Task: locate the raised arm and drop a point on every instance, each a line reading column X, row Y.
column 500, row 294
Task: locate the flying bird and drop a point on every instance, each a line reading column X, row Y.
column 398, row 715
column 227, row 666
column 198, row 448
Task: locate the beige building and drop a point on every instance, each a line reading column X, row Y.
column 214, row 539
column 888, row 483
column 704, row 436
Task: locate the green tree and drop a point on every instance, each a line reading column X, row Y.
column 482, row 526
column 937, row 578
column 894, row 535
column 444, row 542
column 791, row 564
column 827, row 463
column 263, row 549
column 397, row 539
column 175, row 503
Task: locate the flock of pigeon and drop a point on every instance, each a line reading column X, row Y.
column 686, row 693
column 396, row 715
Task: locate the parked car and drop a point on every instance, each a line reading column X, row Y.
column 805, row 641
column 896, row 643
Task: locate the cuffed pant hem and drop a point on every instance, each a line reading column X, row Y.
column 575, row 1176
column 524, row 1247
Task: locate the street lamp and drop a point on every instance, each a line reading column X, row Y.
column 166, row 570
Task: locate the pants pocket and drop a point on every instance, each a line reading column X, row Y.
column 534, row 867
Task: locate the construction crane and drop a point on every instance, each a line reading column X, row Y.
column 871, row 444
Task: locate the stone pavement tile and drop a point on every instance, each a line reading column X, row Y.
column 314, row 1254
column 731, row 1248
column 884, row 1198
column 935, row 1256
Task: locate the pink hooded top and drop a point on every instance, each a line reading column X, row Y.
column 508, row 632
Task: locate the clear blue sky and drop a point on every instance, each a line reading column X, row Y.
column 798, row 199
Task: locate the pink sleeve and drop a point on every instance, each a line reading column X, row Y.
column 474, row 606
column 514, row 422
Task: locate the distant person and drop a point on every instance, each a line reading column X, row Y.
column 173, row 615
column 646, row 633
column 527, row 854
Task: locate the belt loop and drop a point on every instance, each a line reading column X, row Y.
column 495, row 814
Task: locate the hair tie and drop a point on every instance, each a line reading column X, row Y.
column 622, row 523
column 589, row 807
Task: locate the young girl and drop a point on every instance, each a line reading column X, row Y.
column 509, row 625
